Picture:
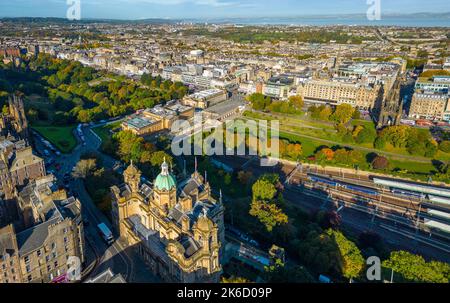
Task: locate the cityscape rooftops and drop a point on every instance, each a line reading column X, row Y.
column 280, row 80
column 178, row 107
column 49, row 207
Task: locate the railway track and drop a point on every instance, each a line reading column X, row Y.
column 385, row 199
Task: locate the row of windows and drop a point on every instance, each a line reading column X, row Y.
column 49, row 269
column 11, row 263
column 49, row 257
column 6, row 280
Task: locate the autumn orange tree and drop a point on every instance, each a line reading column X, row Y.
column 325, row 155
column 292, row 151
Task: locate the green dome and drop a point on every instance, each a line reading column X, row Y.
column 165, row 181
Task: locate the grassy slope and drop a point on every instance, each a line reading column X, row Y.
column 60, row 136
column 103, row 131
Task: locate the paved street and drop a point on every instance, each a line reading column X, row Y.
column 121, row 260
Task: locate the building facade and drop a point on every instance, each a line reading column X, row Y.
column 205, row 99
column 18, row 166
column 360, row 96
column 278, row 87
column 177, row 229
column 50, row 234
column 430, row 106
column 438, row 84
column 158, row 118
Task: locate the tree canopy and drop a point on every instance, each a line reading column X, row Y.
column 414, row 268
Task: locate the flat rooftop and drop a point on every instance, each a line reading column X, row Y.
column 225, row 107
column 206, row 93
column 178, row 107
column 139, row 122
column 160, row 111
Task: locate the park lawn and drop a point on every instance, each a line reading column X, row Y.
column 414, row 169
column 441, row 156
column 291, row 120
column 401, row 167
column 104, row 131
column 60, row 136
column 398, row 150
column 316, row 133
column 309, row 146
column 363, row 123
column 411, row 166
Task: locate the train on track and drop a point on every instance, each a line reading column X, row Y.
column 331, row 182
column 435, row 200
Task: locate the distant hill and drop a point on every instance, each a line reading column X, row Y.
column 325, row 19
column 54, row 20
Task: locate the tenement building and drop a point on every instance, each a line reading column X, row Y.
column 358, row 95
column 51, row 232
column 178, row 229
column 14, row 121
column 430, row 105
column 18, row 166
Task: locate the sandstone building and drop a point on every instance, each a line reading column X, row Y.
column 51, row 233
column 178, row 229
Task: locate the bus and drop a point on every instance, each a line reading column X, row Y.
column 105, row 233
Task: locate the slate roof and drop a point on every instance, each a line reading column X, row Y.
column 190, row 245
column 107, row 277
column 34, row 237
column 6, row 244
column 189, row 186
column 51, row 212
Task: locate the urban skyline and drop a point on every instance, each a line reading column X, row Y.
column 224, row 149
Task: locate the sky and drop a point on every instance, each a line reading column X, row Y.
column 179, row 9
